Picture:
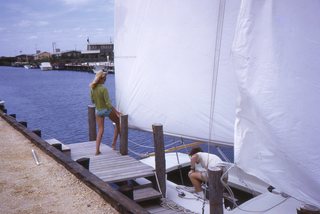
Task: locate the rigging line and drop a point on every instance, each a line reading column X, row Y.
column 152, row 147
column 225, row 184
column 222, row 154
column 222, row 5
column 173, row 143
column 173, row 206
column 179, row 167
column 141, row 137
column 149, row 147
column 158, row 184
column 133, row 152
column 216, row 63
column 185, row 147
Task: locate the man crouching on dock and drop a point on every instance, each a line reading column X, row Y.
column 104, row 108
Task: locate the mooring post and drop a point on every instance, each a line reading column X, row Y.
column 13, row 115
column 124, row 134
column 57, row 146
column 92, row 122
column 24, row 123
column 85, row 162
column 160, row 161
column 215, row 190
column 37, row 132
column 2, row 107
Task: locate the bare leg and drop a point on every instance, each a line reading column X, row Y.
column 196, row 181
column 114, row 117
column 115, row 136
column 100, row 121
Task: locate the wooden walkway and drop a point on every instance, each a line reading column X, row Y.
column 137, row 171
column 110, row 165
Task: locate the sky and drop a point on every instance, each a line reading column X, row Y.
column 30, row 25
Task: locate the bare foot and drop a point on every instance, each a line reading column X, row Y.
column 113, row 146
column 98, row 153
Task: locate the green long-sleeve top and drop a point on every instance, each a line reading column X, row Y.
column 100, row 97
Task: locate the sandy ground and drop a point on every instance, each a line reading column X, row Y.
column 46, row 188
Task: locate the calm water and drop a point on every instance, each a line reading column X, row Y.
column 56, row 103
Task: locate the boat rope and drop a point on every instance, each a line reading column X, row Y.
column 185, row 147
column 135, row 153
column 179, row 167
column 216, row 65
column 222, row 154
column 147, row 154
column 157, row 180
column 173, row 143
column 170, row 204
column 219, row 27
column 140, row 145
column 152, row 147
column 235, row 205
column 173, row 206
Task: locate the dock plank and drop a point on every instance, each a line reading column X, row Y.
column 65, row 148
column 110, row 166
column 149, row 193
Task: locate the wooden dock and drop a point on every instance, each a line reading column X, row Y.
column 110, row 166
column 143, row 197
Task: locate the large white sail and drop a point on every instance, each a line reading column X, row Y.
column 166, row 60
column 277, row 49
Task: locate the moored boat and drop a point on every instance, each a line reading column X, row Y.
column 30, row 66
column 106, row 66
column 236, row 74
column 45, row 66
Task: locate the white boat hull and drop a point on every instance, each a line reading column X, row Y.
column 263, row 200
column 45, row 66
column 106, row 66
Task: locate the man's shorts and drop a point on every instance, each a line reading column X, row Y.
column 204, row 175
column 103, row 112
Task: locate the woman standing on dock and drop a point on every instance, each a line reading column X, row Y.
column 104, row 108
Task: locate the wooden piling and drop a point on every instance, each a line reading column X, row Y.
column 57, row 146
column 92, row 122
column 160, row 162
column 13, row 115
column 37, row 132
column 215, row 190
column 24, row 123
column 2, row 106
column 85, row 162
column 108, row 193
column 124, row 135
